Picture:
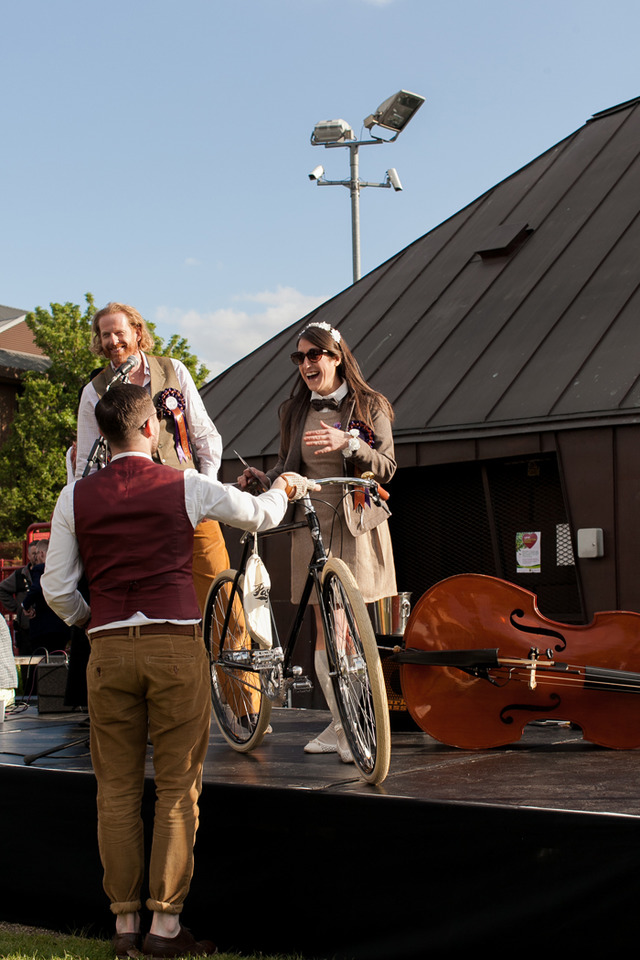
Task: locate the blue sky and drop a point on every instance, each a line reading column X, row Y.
column 157, row 151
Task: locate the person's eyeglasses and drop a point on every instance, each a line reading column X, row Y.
column 314, row 355
column 150, row 416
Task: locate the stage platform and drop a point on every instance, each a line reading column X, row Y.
column 456, row 849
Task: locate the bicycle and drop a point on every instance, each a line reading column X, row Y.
column 246, row 678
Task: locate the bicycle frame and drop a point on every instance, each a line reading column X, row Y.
column 317, row 562
column 243, row 666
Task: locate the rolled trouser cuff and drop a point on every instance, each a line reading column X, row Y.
column 159, row 907
column 130, row 906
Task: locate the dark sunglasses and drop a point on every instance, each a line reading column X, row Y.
column 314, row 355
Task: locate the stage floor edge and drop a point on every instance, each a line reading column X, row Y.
column 295, row 854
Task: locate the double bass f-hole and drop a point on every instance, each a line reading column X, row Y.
column 538, row 631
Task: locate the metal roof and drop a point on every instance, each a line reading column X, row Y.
column 9, row 316
column 14, row 360
column 518, row 313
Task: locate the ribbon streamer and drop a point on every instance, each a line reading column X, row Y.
column 361, row 498
column 171, row 403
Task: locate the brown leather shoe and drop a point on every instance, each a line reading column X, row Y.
column 127, row 945
column 184, row 945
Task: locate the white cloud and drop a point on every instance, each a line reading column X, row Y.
column 223, row 336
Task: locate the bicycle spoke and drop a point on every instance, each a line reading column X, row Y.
column 356, row 673
column 241, row 709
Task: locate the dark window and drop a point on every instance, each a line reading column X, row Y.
column 465, row 518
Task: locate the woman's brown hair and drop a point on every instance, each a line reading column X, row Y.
column 365, row 398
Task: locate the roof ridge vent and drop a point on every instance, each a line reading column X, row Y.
column 615, row 109
column 504, row 240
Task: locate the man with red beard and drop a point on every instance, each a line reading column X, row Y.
column 188, row 437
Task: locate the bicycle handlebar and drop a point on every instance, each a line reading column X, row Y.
column 369, row 482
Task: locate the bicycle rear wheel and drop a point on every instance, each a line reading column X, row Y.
column 356, row 672
column 240, row 706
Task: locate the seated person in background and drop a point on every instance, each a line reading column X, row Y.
column 47, row 630
column 13, row 590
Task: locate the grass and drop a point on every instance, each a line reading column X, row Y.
column 27, row 943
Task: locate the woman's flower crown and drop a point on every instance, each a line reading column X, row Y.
column 324, row 326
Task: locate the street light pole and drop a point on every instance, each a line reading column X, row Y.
column 354, row 184
column 393, row 114
column 355, row 211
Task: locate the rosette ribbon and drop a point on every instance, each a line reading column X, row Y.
column 171, row 403
column 361, row 497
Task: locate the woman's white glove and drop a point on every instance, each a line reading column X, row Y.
column 297, row 486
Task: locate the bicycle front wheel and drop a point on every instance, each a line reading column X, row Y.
column 240, row 706
column 356, row 672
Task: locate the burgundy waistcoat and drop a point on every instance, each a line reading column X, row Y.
column 136, row 542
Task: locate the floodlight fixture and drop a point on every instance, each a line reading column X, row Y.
column 332, row 131
column 395, row 112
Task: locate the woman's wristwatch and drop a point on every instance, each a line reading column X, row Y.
column 354, row 444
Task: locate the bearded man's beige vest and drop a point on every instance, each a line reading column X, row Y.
column 163, row 375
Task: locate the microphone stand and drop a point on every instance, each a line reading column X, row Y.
column 97, row 457
column 80, row 741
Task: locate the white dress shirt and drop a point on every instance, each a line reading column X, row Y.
column 8, row 675
column 204, row 437
column 204, row 498
column 337, row 395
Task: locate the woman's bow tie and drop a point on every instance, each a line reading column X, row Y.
column 325, row 404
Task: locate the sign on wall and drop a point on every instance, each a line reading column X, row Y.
column 528, row 552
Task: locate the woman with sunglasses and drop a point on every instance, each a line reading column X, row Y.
column 334, row 424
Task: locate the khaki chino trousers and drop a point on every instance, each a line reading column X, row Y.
column 152, row 687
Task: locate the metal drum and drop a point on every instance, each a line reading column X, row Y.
column 390, row 614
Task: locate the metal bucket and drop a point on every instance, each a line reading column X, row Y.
column 390, row 614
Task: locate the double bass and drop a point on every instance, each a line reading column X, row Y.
column 480, row 662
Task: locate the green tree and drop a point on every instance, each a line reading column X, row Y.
column 179, row 349
column 32, row 461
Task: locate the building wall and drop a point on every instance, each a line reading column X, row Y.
column 19, row 338
column 601, row 470
column 457, row 503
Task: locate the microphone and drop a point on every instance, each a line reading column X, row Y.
column 124, row 369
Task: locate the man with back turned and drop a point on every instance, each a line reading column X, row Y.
column 130, row 528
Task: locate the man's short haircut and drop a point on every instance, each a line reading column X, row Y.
column 122, row 411
column 135, row 319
